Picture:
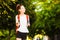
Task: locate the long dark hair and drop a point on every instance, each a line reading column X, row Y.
column 18, row 6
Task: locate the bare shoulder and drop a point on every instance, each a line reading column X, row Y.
column 16, row 15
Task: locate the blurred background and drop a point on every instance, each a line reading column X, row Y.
column 44, row 19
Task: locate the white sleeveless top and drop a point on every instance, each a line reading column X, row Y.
column 23, row 24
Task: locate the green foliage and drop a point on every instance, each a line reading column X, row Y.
column 44, row 17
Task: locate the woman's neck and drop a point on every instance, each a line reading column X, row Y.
column 21, row 13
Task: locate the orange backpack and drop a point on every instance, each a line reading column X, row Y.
column 19, row 20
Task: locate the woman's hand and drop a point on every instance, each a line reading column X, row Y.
column 28, row 25
column 17, row 24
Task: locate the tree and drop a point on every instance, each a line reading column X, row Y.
column 7, row 14
column 44, row 16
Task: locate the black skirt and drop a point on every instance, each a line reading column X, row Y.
column 21, row 35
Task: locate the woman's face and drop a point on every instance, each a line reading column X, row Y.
column 22, row 9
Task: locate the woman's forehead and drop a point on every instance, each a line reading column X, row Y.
column 22, row 6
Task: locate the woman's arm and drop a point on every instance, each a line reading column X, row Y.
column 16, row 21
column 17, row 24
column 28, row 21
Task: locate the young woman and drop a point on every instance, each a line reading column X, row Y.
column 22, row 22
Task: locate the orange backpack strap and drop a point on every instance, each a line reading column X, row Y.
column 18, row 18
column 27, row 17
